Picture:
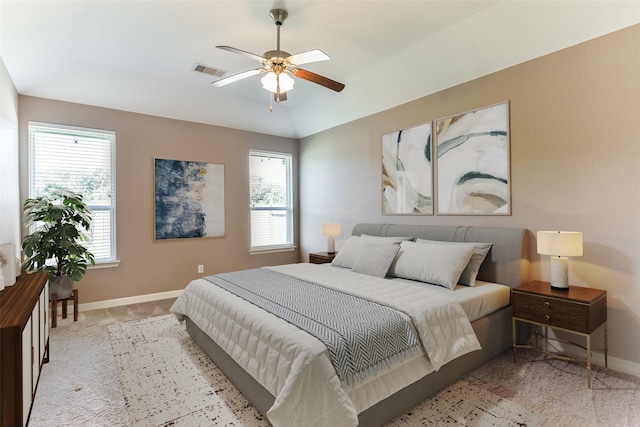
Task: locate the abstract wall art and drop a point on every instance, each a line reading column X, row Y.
column 407, row 173
column 473, row 162
column 189, row 199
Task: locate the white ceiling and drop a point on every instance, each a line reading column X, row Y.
column 139, row 55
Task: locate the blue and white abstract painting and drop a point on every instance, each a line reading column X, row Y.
column 189, row 199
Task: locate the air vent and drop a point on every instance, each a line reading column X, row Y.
column 209, row 70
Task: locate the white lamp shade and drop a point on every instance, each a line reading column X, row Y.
column 270, row 82
column 560, row 243
column 331, row 229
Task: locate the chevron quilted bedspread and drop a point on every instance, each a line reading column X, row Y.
column 363, row 337
column 296, row 367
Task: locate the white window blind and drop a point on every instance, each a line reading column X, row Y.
column 271, row 200
column 83, row 161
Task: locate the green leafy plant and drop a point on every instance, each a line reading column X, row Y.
column 61, row 222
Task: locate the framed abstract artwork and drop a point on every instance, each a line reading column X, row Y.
column 189, row 199
column 407, row 173
column 473, row 162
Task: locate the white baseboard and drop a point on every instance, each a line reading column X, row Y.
column 128, row 300
column 616, row 364
column 597, row 358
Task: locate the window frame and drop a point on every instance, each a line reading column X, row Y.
column 35, row 127
column 289, row 209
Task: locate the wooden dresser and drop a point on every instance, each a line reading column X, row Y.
column 24, row 345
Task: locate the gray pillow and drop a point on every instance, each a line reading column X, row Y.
column 470, row 272
column 355, row 246
column 376, row 259
column 386, row 239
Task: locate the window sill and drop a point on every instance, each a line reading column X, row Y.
column 271, row 249
column 105, row 264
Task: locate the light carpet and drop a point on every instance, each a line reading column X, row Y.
column 167, row 380
column 79, row 386
column 148, row 372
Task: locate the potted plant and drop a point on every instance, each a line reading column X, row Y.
column 61, row 222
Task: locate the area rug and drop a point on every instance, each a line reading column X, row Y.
column 77, row 387
column 168, row 381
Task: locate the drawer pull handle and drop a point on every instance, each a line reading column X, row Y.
column 546, row 303
column 547, row 317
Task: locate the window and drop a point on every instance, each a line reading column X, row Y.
column 271, row 201
column 80, row 160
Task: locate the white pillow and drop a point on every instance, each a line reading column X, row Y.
column 376, row 259
column 432, row 263
column 355, row 246
column 470, row 272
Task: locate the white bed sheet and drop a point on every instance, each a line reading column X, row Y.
column 295, row 367
column 477, row 301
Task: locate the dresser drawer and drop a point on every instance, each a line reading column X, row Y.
column 559, row 313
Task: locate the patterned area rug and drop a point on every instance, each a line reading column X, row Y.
column 79, row 386
column 168, row 381
column 464, row 404
column 558, row 390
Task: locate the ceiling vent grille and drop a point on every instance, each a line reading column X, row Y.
column 209, row 70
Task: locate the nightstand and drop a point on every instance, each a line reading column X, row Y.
column 321, row 257
column 580, row 311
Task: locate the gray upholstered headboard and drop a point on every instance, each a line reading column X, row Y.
column 507, row 262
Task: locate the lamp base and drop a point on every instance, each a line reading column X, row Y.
column 331, row 249
column 559, row 273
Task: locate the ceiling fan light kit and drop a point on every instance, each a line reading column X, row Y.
column 280, row 66
column 277, row 83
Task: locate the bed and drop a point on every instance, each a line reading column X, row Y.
column 293, row 387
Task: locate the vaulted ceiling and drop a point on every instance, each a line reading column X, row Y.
column 139, row 56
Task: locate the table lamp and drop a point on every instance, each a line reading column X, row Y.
column 560, row 245
column 331, row 230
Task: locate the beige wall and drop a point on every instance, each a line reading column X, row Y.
column 148, row 266
column 575, row 149
column 575, row 165
column 10, row 219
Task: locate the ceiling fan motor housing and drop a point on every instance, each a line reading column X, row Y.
column 276, row 56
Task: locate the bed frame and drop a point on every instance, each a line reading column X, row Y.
column 507, row 263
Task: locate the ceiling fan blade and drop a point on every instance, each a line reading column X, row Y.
column 318, row 79
column 242, row 52
column 314, row 55
column 236, row 77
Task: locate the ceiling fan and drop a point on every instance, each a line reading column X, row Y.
column 279, row 66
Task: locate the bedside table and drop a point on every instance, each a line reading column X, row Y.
column 580, row 311
column 321, row 257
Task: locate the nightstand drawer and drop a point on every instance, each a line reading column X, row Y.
column 559, row 313
column 321, row 258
